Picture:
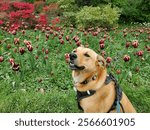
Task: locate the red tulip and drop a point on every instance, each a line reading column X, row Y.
column 126, row 58
column 67, row 38
column 136, row 35
column 11, row 61
column 127, row 44
column 135, row 43
column 78, row 43
column 140, row 53
column 13, row 32
column 95, row 33
column 21, row 50
column 85, row 33
column 30, row 48
column 76, row 39
column 105, row 36
column 23, row 32
column 47, row 36
column 101, row 41
column 15, row 50
column 15, row 67
column 103, row 53
column 36, row 57
column 46, row 57
column 148, row 49
column 46, row 51
column 108, row 59
column 102, row 46
column 35, row 29
column 16, row 41
column 8, row 46
column 67, row 58
column 61, row 41
column 1, row 59
column 60, row 36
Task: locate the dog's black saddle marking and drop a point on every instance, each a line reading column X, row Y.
column 82, row 95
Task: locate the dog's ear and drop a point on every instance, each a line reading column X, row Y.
column 100, row 61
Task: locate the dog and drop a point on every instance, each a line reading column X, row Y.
column 97, row 92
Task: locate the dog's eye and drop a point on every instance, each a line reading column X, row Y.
column 74, row 51
column 87, row 55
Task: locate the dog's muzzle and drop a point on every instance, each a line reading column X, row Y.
column 72, row 64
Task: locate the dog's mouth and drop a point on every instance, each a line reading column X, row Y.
column 75, row 67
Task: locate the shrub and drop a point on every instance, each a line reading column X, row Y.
column 134, row 11
column 104, row 16
column 69, row 9
column 66, row 5
column 15, row 13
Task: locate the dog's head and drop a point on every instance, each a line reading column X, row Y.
column 84, row 63
column 85, row 59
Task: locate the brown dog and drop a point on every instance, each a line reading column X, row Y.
column 96, row 91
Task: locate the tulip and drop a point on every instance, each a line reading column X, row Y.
column 46, row 51
column 67, row 38
column 103, row 53
column 36, row 57
column 8, row 46
column 108, row 59
column 46, row 57
column 102, row 46
column 101, row 41
column 67, row 58
column 61, row 41
column 21, row 50
column 1, row 59
column 30, row 48
column 16, row 41
column 78, row 43
column 11, row 61
column 60, row 37
column 15, row 67
column 140, row 53
column 128, row 44
column 135, row 43
column 126, row 58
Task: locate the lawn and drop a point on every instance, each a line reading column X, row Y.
column 35, row 77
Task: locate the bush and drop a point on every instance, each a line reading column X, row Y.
column 104, row 16
column 15, row 13
column 69, row 9
column 134, row 11
column 66, row 5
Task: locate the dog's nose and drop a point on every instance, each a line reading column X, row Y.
column 73, row 56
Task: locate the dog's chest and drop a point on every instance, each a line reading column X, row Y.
column 90, row 104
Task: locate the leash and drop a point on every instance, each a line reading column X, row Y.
column 116, row 104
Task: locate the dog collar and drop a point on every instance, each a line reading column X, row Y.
column 90, row 79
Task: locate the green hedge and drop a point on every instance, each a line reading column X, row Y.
column 104, row 16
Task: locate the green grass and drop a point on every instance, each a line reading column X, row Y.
column 19, row 91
